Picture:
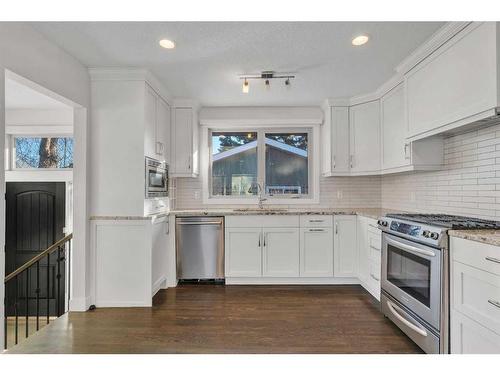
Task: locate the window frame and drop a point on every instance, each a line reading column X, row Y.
column 312, row 196
column 12, row 150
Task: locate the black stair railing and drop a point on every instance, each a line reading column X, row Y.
column 13, row 304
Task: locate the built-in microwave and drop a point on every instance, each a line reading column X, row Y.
column 156, row 178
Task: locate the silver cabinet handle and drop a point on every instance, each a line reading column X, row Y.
column 494, row 303
column 351, row 157
column 189, row 162
column 260, row 235
column 494, row 260
column 373, row 277
column 265, row 235
column 406, row 150
column 374, row 248
column 336, row 228
column 334, row 163
column 316, row 220
column 407, row 323
column 316, row 230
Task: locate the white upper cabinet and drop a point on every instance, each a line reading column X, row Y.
column 156, row 126
column 457, row 84
column 335, row 141
column 163, row 129
column 184, row 142
column 150, row 123
column 395, row 149
column 364, row 129
column 398, row 154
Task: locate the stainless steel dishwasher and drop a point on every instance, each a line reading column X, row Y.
column 200, row 248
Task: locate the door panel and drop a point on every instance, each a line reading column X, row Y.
column 35, row 213
column 316, row 252
column 243, row 253
column 281, row 252
column 345, row 246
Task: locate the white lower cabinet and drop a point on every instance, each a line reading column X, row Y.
column 316, row 252
column 475, row 297
column 280, row 252
column 243, row 252
column 344, row 248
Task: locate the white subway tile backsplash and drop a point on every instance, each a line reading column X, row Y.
column 469, row 183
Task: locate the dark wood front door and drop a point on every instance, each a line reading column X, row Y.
column 35, row 217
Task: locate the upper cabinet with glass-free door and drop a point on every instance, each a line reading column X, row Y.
column 184, row 141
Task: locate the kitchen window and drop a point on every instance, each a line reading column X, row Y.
column 243, row 162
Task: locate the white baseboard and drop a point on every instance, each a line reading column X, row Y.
column 291, row 280
column 124, row 303
column 159, row 284
column 79, row 304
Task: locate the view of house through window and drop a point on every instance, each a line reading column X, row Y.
column 37, row 152
column 235, row 163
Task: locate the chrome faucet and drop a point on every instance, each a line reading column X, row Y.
column 259, row 189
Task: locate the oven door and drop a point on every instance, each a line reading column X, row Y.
column 411, row 274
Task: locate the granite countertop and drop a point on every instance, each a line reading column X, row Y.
column 373, row 213
column 488, row 236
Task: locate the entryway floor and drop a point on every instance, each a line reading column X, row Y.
column 230, row 319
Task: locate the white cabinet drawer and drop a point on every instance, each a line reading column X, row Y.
column 316, row 221
column 469, row 337
column 476, row 254
column 476, row 294
column 375, row 244
column 259, row 221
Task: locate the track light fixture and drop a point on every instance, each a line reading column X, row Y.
column 267, row 76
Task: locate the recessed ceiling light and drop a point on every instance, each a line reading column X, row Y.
column 168, row 44
column 360, row 40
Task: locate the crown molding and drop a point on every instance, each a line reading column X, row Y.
column 130, row 74
column 445, row 33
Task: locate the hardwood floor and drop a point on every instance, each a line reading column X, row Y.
column 230, row 319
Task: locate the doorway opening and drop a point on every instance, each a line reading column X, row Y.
column 39, row 133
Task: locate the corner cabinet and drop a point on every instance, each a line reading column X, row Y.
column 398, row 154
column 345, row 246
column 185, row 142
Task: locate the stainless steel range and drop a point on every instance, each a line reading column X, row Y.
column 415, row 274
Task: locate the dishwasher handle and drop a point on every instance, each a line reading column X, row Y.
column 199, row 223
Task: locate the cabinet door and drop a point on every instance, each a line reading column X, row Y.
column 163, row 129
column 243, row 252
column 395, row 149
column 340, row 139
column 364, row 131
column 455, row 81
column 183, row 141
column 344, row 248
column 363, row 250
column 469, row 337
column 316, row 252
column 150, row 123
column 281, row 252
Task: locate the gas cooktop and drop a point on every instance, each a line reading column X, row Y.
column 448, row 221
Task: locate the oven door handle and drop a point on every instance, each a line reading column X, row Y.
column 406, row 322
column 410, row 248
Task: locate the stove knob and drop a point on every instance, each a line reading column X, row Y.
column 426, row 233
column 434, row 235
column 384, row 223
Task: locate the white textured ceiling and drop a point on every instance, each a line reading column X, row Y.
column 210, row 55
column 19, row 96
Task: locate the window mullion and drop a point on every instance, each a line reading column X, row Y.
column 261, row 160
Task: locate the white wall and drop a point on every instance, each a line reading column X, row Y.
column 468, row 185
column 28, row 54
